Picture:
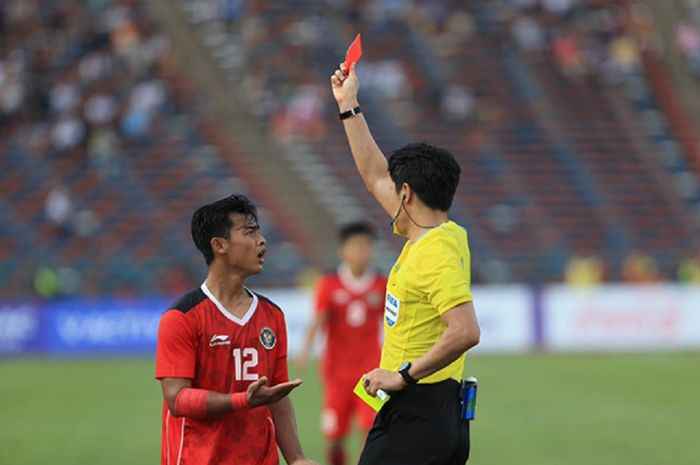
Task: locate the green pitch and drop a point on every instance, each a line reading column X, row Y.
column 533, row 410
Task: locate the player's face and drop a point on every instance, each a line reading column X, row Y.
column 357, row 252
column 246, row 245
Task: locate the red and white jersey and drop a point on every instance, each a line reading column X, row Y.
column 199, row 340
column 355, row 309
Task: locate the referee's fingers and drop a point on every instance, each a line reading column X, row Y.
column 372, row 387
column 366, row 384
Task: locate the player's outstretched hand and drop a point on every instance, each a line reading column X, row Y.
column 378, row 378
column 345, row 85
column 259, row 394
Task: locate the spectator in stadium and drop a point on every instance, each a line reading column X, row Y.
column 219, row 346
column 46, row 284
column 568, row 54
column 640, row 267
column 689, row 270
column 58, row 208
column 429, row 316
column 457, row 104
column 528, row 34
column 584, row 270
column 688, row 40
column 625, row 59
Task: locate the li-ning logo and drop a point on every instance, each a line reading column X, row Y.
column 219, row 340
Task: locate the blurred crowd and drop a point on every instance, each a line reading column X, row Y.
column 588, row 269
column 81, row 77
column 79, row 80
column 597, row 41
column 78, row 74
column 600, row 39
column 592, row 39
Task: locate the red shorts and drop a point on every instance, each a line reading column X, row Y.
column 340, row 406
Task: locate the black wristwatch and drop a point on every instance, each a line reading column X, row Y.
column 350, row 113
column 403, row 371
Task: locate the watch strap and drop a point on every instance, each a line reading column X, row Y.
column 405, row 375
column 350, row 113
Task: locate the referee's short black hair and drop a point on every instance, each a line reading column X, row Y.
column 432, row 172
column 356, row 228
column 214, row 220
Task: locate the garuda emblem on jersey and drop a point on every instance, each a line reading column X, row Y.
column 268, row 338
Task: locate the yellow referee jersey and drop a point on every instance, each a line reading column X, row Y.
column 430, row 277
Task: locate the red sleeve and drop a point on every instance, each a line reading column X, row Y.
column 323, row 295
column 281, row 374
column 176, row 349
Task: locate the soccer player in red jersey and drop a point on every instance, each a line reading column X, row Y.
column 349, row 306
column 222, row 354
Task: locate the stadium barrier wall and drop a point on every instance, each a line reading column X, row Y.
column 618, row 317
column 512, row 318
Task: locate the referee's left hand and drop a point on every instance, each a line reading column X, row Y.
column 386, row 380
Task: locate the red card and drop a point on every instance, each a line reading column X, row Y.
column 354, row 52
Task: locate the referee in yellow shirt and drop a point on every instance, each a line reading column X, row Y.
column 429, row 317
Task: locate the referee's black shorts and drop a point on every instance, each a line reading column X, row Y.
column 419, row 425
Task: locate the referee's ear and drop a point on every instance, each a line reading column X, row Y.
column 406, row 193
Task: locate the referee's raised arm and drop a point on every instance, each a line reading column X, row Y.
column 368, row 157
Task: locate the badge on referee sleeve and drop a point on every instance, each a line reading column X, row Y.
column 391, row 309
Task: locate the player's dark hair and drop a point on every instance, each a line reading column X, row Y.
column 356, row 228
column 214, row 220
column 432, row 172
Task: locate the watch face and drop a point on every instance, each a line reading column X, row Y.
column 404, row 365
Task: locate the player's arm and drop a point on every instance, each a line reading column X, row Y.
column 286, row 432
column 319, row 320
column 369, row 159
column 461, row 334
column 185, row 401
column 282, row 412
column 322, row 309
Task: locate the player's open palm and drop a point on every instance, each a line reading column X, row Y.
column 345, row 86
column 259, row 394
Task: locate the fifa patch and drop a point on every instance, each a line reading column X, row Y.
column 391, row 309
column 268, row 338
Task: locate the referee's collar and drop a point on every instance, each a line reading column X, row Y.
column 428, row 231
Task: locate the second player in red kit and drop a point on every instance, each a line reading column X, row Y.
column 349, row 305
column 222, row 354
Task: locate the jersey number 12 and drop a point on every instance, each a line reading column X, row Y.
column 244, row 361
